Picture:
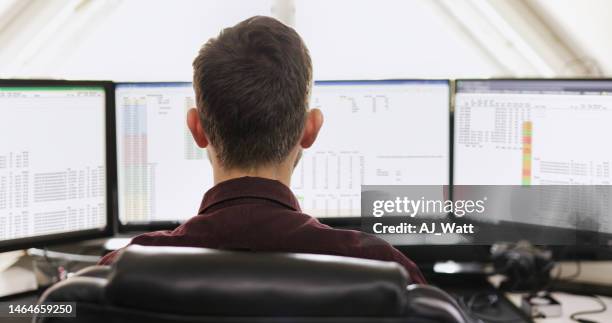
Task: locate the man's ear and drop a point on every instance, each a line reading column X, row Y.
column 193, row 122
column 314, row 122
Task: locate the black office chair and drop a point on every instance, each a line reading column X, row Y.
column 177, row 284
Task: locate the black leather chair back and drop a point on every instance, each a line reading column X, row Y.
column 178, row 284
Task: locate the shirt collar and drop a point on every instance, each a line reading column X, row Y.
column 249, row 187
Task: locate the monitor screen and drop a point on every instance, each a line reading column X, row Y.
column 533, row 132
column 375, row 132
column 163, row 175
column 543, row 133
column 53, row 169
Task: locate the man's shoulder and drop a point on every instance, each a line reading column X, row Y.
column 153, row 238
column 161, row 237
column 350, row 242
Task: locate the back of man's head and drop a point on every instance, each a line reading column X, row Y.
column 252, row 85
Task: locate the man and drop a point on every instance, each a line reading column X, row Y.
column 252, row 86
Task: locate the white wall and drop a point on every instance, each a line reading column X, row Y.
column 355, row 39
column 140, row 40
column 130, row 40
column 157, row 40
column 585, row 25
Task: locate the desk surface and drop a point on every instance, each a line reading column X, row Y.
column 573, row 303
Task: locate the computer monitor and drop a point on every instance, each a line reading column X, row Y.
column 56, row 174
column 393, row 132
column 553, row 134
column 388, row 132
column 163, row 175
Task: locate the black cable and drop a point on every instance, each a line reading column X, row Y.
column 602, row 309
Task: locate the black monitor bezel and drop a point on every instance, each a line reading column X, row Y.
column 111, row 170
column 340, row 222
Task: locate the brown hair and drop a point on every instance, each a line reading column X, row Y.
column 252, row 86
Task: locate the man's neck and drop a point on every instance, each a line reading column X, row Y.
column 279, row 173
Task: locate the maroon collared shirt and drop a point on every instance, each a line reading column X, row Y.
column 258, row 214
